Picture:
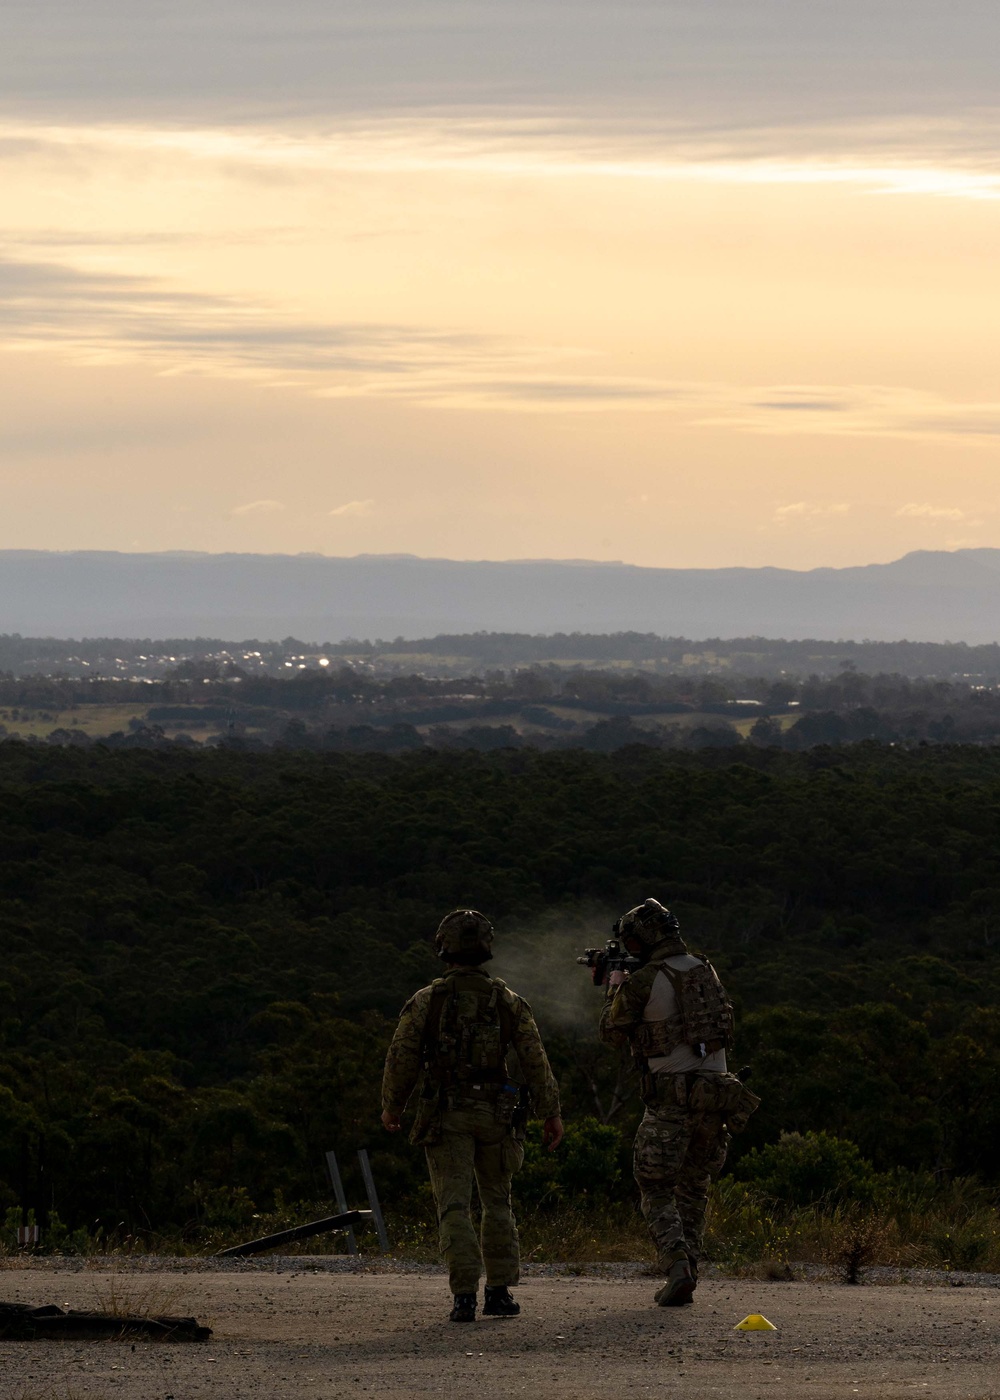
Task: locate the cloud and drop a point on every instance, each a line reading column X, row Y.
column 354, row 508
column 100, row 316
column 561, row 391
column 810, row 510
column 922, row 511
column 855, row 410
column 103, row 317
column 811, row 62
column 105, row 314
column 897, row 158
column 804, row 405
column 258, row 508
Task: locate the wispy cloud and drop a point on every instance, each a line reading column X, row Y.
column 258, row 508
column 922, row 510
column 354, row 508
column 810, row 510
column 802, row 405
column 952, row 160
column 856, row 410
column 100, row 317
column 570, row 391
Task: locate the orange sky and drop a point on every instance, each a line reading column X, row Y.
column 496, row 333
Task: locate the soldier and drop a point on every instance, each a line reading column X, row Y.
column 460, row 1038
column 674, row 1014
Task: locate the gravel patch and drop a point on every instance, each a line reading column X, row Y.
column 309, row 1328
column 373, row 1265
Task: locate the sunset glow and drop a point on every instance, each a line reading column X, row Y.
column 494, row 333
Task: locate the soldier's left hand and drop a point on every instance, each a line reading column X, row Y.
column 552, row 1133
column 390, row 1121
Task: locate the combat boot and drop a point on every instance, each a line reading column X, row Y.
column 464, row 1309
column 499, row 1302
column 680, row 1285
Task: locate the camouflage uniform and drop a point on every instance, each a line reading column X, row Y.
column 465, row 1135
column 682, row 1141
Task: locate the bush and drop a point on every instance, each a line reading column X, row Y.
column 591, row 1165
column 806, row 1168
column 56, row 1238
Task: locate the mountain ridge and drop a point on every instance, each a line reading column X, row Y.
column 925, row 595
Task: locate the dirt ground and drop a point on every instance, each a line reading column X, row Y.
column 305, row 1331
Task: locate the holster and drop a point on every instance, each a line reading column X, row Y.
column 659, row 1091
column 698, row 1092
column 506, row 1104
column 427, row 1123
column 522, row 1112
column 739, row 1117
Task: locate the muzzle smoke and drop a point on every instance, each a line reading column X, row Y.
column 538, row 961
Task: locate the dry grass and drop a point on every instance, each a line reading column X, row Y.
column 955, row 1227
column 605, row 1236
column 123, row 1293
column 916, row 1223
column 568, row 1236
column 857, row 1241
column 920, row 1224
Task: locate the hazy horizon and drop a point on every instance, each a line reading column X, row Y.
column 926, row 596
column 569, row 560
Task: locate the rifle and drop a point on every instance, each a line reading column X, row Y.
column 609, row 965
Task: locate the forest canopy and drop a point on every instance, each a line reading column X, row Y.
column 203, row 953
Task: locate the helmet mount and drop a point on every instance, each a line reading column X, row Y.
column 647, row 925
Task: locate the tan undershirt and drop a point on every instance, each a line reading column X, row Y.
column 661, row 1005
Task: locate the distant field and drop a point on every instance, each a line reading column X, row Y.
column 99, row 721
column 744, row 726
column 96, row 721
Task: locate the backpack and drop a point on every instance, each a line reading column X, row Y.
column 468, row 1032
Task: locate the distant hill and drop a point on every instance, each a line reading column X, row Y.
column 925, row 596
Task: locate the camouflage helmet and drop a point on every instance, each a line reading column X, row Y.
column 464, row 932
column 648, row 923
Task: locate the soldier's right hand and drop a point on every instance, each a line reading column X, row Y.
column 390, row 1121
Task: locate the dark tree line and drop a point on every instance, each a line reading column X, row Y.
column 203, row 953
column 343, row 709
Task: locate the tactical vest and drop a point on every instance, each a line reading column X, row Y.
column 703, row 1019
column 469, row 1029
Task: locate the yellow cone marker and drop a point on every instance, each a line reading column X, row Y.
column 754, row 1322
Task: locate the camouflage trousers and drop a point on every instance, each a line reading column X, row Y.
column 475, row 1147
column 677, row 1153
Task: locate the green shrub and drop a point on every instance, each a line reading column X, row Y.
column 742, row 1229
column 591, row 1165
column 803, row 1168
